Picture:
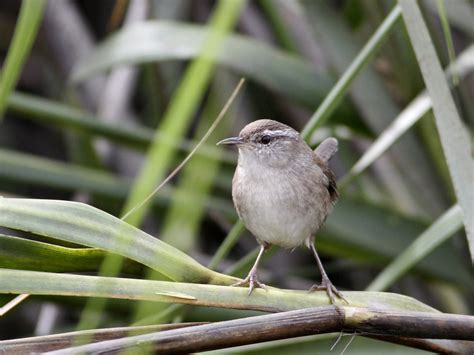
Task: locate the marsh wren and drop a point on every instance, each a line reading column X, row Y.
column 283, row 191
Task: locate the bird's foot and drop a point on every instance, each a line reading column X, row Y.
column 251, row 281
column 331, row 290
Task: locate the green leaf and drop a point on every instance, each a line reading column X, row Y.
column 273, row 300
column 85, row 225
column 455, row 141
column 31, row 13
column 443, row 228
column 25, row 254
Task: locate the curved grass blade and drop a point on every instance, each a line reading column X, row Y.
column 183, row 218
column 164, row 40
column 29, row 19
column 85, row 225
column 147, row 175
column 25, row 254
column 455, row 141
column 273, row 300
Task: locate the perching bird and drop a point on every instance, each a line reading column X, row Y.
column 283, row 191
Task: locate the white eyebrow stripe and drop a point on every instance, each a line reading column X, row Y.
column 281, row 132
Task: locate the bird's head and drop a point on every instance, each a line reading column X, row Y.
column 268, row 143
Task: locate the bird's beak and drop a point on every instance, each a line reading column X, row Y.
column 231, row 141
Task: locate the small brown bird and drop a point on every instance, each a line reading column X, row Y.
column 283, row 191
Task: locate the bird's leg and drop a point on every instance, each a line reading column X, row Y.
column 251, row 278
column 326, row 284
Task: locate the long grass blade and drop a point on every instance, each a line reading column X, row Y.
column 337, row 93
column 29, row 19
column 26, row 254
column 275, row 300
column 85, row 225
column 455, row 141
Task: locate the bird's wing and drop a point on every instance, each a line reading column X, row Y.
column 323, row 153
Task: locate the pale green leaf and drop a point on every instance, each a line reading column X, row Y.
column 85, row 225
column 454, row 137
column 273, row 300
column 25, row 254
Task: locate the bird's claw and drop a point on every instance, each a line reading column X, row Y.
column 331, row 290
column 251, row 281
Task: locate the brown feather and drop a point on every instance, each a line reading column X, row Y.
column 331, row 186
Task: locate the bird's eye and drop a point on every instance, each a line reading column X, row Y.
column 265, row 139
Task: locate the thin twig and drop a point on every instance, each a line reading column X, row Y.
column 13, row 303
column 189, row 156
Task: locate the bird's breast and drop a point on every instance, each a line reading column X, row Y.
column 279, row 208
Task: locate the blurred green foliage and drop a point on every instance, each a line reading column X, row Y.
column 104, row 111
